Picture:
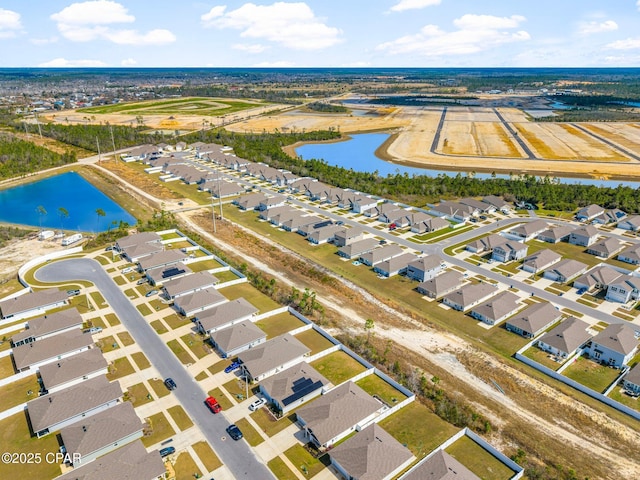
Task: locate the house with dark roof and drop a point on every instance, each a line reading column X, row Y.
column 237, row 338
column 371, row 454
column 563, row 340
column 198, row 301
column 614, row 346
column 379, row 255
column 356, row 249
column 508, row 251
column 54, row 411
column 497, row 308
column 540, row 260
column 424, row 268
column 191, row 283
column 225, row 315
column 396, row 265
column 441, row 285
column 439, row 465
column 102, row 433
column 469, row 296
column 630, row 255
column 131, row 462
column 565, row 270
column 556, row 234
column 293, row 387
column 33, row 355
column 342, row 410
column 272, row 357
column 605, row 248
column 631, row 223
column 47, row 326
column 631, row 381
column 533, row 320
column 66, row 372
column 584, row 236
column 32, row 304
column 529, row 231
column 589, row 212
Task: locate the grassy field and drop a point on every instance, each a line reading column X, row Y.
column 251, row 295
column 237, row 388
column 180, row 352
column 376, row 386
column 186, row 468
column 141, row 361
column 160, row 430
column 121, row 367
column 138, row 394
column 280, row 469
column 591, row 374
column 6, row 367
column 304, row 462
column 158, row 387
column 112, row 319
column 338, row 367
column 180, row 417
column 542, row 357
column 17, row 392
column 176, row 321
column 207, row 456
column 249, row 433
column 159, row 327
column 269, row 424
column 279, row 324
column 182, row 106
column 207, row 265
column 314, row 340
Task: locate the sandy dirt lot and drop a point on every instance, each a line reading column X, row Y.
column 18, row 252
column 477, row 139
column 623, row 134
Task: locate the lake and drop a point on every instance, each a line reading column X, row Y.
column 359, row 154
column 69, row 191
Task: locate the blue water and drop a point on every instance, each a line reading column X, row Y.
column 69, row 191
column 358, row 154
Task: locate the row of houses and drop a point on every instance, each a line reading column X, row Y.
column 466, row 208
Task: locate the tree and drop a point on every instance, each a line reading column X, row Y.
column 63, row 213
column 41, row 213
column 100, row 213
column 368, row 327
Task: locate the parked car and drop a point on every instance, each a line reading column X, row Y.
column 126, row 270
column 234, row 366
column 382, row 242
column 582, row 291
column 150, row 293
column 393, row 226
column 483, row 217
column 73, row 292
column 142, row 280
column 234, row 432
column 170, row 384
column 167, row 451
column 213, row 405
column 257, row 404
column 95, row 330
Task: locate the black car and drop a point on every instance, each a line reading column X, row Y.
column 170, row 384
column 167, row 451
column 234, row 432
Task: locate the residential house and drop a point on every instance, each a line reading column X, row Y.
column 397, row 217
column 220, row 189
column 482, row 207
column 102, row 433
column 299, row 222
column 441, row 285
column 396, row 265
column 371, row 454
column 378, row 255
column 286, row 216
column 424, row 268
column 630, row 255
column 609, row 216
column 65, row 373
column 159, row 275
column 541, row 260
column 556, row 234
column 129, row 462
column 32, row 304
column 486, row 244
column 439, row 465
column 325, row 234
column 586, row 214
column 54, row 411
column 333, row 195
column 565, row 270
column 250, row 202
column 583, row 236
column 614, row 346
column 469, row 296
column 431, row 224
column 530, row 230
column 348, row 236
column 380, row 209
column 198, row 301
column 497, row 308
column 34, row 354
column 133, row 253
column 272, row 357
column 631, row 223
column 606, row 247
column 342, row 410
column 362, row 203
column 225, row 315
column 454, row 211
column 269, row 214
column 189, row 284
column 533, row 320
column 293, row 387
column 415, row 217
column 563, row 340
column 498, row 203
column 47, row 326
column 317, row 191
column 597, row 278
column 346, row 198
column 358, row 248
column 631, row 381
column 241, row 336
column 509, row 251
column 163, row 259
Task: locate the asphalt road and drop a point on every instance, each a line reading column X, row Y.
column 237, row 456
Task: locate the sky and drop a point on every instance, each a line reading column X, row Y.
column 320, row 33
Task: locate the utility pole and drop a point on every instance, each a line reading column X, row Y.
column 99, row 156
column 113, row 142
column 220, row 194
column 38, row 123
column 213, row 215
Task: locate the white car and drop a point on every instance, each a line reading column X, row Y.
column 126, row 270
column 257, row 404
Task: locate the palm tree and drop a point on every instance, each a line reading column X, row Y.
column 41, row 212
column 100, row 213
column 64, row 214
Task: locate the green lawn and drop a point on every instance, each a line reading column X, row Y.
column 17, row 392
column 159, row 327
column 202, row 376
column 269, row 424
column 156, row 305
column 591, row 374
column 96, row 322
column 107, row 344
column 81, row 302
column 205, row 265
column 99, row 300
column 418, row 428
column 141, row 361
column 618, row 395
column 196, row 344
column 542, row 357
column 144, row 309
column 126, row 339
column 226, row 276
column 222, row 399
column 249, row 433
column 6, row 367
column 303, row 461
column 176, row 321
column 280, row 469
column 207, row 456
column 6, row 344
column 186, row 468
column 16, row 438
column 478, row 460
column 180, row 352
column 158, row 387
column 251, row 295
column 170, row 236
column 338, row 367
column 180, row 417
column 121, row 367
column 120, row 280
column 218, row 366
column 112, row 319
column 314, row 340
column 279, row 324
column 376, row 386
column 160, row 430
column 138, row 394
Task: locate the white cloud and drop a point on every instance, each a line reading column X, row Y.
column 64, row 63
column 92, row 20
column 628, row 44
column 588, row 28
column 253, row 48
column 475, row 33
column 292, row 25
column 403, row 5
column 43, row 41
column 10, row 24
column 128, row 62
column 278, row 64
column 638, row 4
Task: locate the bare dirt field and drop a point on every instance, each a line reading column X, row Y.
column 17, row 252
column 489, row 139
column 623, row 134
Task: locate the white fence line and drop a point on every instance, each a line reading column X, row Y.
column 15, row 377
column 268, row 314
column 12, row 411
column 36, row 261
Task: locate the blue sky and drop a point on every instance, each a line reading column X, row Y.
column 320, row 33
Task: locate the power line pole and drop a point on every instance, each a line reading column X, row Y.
column 220, row 194
column 213, row 215
column 113, row 142
column 99, row 156
column 38, row 123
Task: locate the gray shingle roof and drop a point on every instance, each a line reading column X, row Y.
column 237, row 335
column 498, row 306
column 272, row 354
column 567, row 336
column 50, row 347
column 442, row 283
column 617, row 337
column 226, row 313
column 541, row 259
column 49, row 324
column 440, row 466
column 568, row 267
column 359, row 247
column 71, row 368
column 138, row 238
column 634, row 375
column 535, row 317
column 160, row 259
column 30, row 301
column 205, row 298
column 189, row 283
column 293, row 383
column 471, row 293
